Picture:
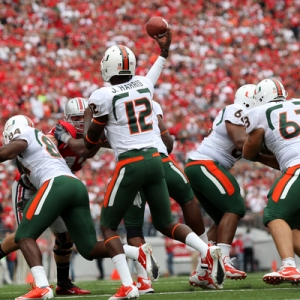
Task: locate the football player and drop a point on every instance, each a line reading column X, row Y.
column 23, row 190
column 275, row 125
column 59, row 193
column 178, row 187
column 124, row 110
column 214, row 186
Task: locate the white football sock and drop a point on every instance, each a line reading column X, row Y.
column 131, row 252
column 39, row 276
column 195, row 242
column 141, row 272
column 122, row 268
column 225, row 248
column 289, row 262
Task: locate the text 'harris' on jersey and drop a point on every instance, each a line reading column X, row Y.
column 125, row 87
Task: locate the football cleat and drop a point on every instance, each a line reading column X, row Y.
column 38, row 293
column 231, row 272
column 285, row 274
column 203, row 281
column 215, row 264
column 144, row 286
column 68, row 288
column 147, row 260
column 126, row 292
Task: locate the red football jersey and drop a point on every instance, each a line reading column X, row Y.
column 74, row 161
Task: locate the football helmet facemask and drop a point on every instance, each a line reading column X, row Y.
column 269, row 90
column 74, row 113
column 12, row 124
column 244, row 96
column 117, row 60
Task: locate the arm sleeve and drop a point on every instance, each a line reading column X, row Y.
column 156, row 69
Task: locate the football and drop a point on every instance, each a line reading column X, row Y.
column 157, row 26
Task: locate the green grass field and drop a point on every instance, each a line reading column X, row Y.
column 171, row 288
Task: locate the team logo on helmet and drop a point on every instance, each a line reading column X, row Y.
column 244, row 96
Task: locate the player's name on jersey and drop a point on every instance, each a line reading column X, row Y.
column 125, row 87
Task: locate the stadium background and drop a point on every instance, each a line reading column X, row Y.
column 50, row 52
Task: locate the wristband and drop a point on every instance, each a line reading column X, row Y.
column 164, row 53
column 65, row 137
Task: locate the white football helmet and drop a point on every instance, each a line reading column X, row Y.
column 117, row 60
column 12, row 124
column 74, row 113
column 244, row 96
column 269, row 90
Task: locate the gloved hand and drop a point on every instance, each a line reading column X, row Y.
column 61, row 134
column 25, row 182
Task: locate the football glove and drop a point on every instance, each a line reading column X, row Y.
column 61, row 134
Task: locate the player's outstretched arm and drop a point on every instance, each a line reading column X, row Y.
column 75, row 144
column 94, row 132
column 12, row 150
column 164, row 44
column 78, row 147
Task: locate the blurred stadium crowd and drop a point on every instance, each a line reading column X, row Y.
column 50, row 51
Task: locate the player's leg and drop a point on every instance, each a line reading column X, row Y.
column 212, row 232
column 219, row 194
column 180, row 190
column 281, row 216
column 62, row 255
column 20, row 197
column 120, row 194
column 8, row 245
column 296, row 241
column 157, row 195
column 133, row 221
column 39, row 214
column 56, row 197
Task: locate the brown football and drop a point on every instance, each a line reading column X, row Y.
column 157, row 26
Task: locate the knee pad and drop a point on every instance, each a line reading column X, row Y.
column 133, row 232
column 63, row 248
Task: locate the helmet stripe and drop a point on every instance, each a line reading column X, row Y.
column 278, row 87
column 80, row 104
column 30, row 123
column 125, row 58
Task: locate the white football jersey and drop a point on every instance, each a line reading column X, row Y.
column 217, row 145
column 281, row 123
column 130, row 114
column 161, row 147
column 41, row 160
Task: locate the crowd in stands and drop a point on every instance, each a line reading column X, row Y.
column 50, row 51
